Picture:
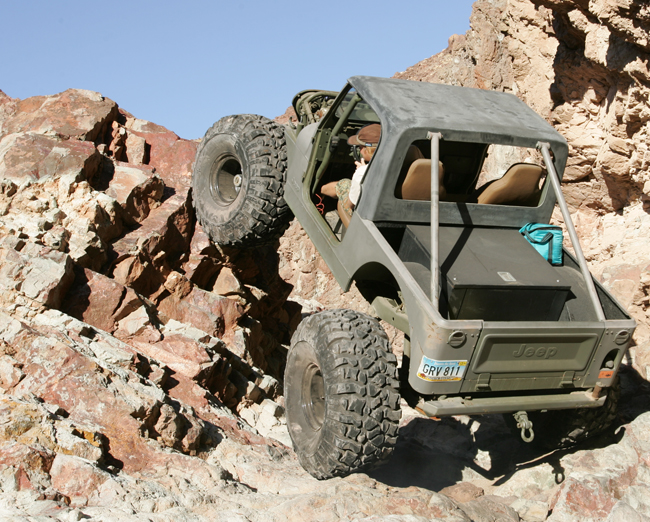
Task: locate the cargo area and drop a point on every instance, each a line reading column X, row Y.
column 494, row 274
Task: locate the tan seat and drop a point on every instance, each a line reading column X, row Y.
column 417, row 184
column 518, row 185
column 413, row 153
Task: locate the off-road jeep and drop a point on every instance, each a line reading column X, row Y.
column 434, row 244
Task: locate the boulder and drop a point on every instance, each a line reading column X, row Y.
column 34, row 157
column 75, row 113
column 44, row 276
column 171, row 156
column 206, row 311
column 99, row 300
column 137, row 190
column 143, row 255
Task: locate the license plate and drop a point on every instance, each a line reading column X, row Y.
column 441, row 371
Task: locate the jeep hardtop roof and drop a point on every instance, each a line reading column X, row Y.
column 409, row 110
column 460, row 113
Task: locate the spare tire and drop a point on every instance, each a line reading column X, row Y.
column 238, row 181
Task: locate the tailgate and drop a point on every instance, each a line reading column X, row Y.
column 535, row 358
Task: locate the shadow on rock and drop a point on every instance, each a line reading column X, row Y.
column 435, row 454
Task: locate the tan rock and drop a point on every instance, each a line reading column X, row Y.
column 136, row 149
column 44, row 277
column 463, row 492
column 137, row 190
column 227, row 284
column 10, row 372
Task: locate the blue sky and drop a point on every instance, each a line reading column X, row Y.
column 184, row 65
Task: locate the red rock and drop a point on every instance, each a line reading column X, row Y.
column 137, row 190
column 172, row 156
column 175, row 164
column 206, row 311
column 76, row 478
column 201, row 244
column 204, row 261
column 137, row 272
column 142, row 254
column 167, row 229
column 182, row 354
column 585, row 496
column 201, row 270
column 463, row 492
column 74, row 113
column 118, row 137
column 99, row 300
column 34, row 157
column 176, row 283
column 61, row 376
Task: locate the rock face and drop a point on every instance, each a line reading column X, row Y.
column 141, row 365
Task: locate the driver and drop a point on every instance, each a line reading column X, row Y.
column 346, row 190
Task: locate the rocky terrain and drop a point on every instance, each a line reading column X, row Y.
column 140, row 365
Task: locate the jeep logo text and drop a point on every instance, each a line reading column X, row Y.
column 532, row 351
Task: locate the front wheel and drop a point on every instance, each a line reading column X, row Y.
column 341, row 393
column 238, row 181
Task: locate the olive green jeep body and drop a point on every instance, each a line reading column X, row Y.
column 532, row 338
column 434, row 245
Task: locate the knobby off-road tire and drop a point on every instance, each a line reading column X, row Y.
column 238, row 181
column 341, row 393
column 565, row 428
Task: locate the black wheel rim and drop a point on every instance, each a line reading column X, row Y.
column 226, row 179
column 313, row 397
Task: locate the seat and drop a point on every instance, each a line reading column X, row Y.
column 417, row 184
column 519, row 185
column 413, row 153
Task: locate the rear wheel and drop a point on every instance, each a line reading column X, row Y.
column 341, row 393
column 238, row 181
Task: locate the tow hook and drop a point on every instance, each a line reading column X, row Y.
column 525, row 425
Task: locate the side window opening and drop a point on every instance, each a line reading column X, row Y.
column 474, row 173
column 337, row 160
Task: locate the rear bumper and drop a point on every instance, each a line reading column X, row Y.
column 483, row 405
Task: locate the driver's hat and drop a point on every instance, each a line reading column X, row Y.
column 367, row 136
